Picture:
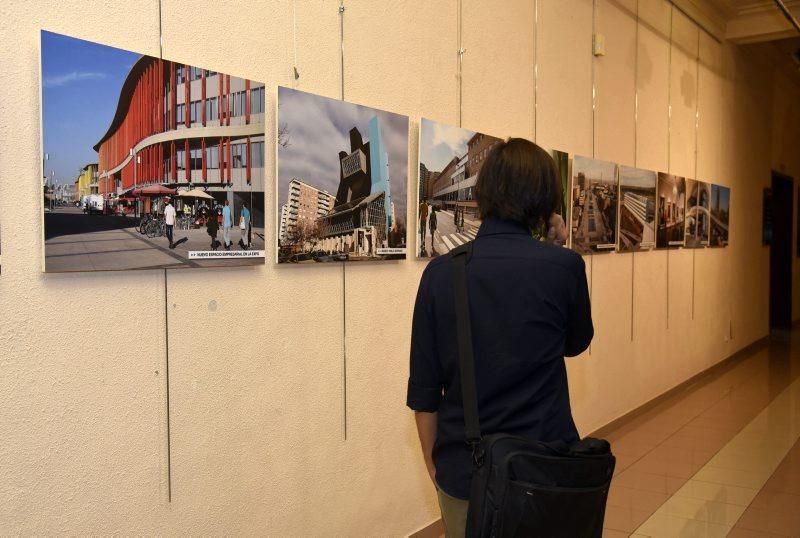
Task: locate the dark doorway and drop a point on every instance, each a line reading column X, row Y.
column 780, row 256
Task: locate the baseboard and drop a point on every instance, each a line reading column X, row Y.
column 715, row 370
column 434, row 529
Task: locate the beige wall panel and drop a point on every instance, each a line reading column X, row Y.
column 608, row 360
column 564, row 76
column 649, row 358
column 752, row 101
column 683, row 95
column 681, row 332
column 709, row 124
column 615, row 83
column 492, row 104
column 710, row 299
column 420, row 82
column 236, row 417
column 652, row 84
column 81, row 392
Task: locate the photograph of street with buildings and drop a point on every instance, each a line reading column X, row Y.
column 720, row 215
column 449, row 161
column 594, row 205
column 698, row 215
column 637, row 209
column 670, row 210
column 147, row 163
column 342, row 176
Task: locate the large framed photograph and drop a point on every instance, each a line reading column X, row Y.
column 595, row 191
column 450, row 159
column 342, row 180
column 148, row 163
column 698, row 214
column 670, row 209
column 637, row 209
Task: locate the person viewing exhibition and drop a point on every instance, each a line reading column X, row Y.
column 529, row 306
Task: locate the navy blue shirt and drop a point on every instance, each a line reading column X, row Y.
column 529, row 307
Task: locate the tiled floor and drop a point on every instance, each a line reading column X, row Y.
column 720, row 457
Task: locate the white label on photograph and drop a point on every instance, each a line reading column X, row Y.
column 676, row 243
column 608, row 246
column 386, row 251
column 647, row 244
column 214, row 254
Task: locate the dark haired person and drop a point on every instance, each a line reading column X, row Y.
column 529, row 305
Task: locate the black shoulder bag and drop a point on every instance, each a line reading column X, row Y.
column 523, row 487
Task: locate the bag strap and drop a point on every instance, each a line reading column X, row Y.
column 466, row 363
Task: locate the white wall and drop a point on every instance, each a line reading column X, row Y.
column 256, row 384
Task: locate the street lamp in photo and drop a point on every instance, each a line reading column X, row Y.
column 44, row 166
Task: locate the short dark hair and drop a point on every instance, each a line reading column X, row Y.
column 518, row 182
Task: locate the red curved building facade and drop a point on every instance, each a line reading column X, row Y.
column 180, row 126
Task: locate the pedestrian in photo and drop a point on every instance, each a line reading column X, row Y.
column 212, row 227
column 423, row 218
column 433, row 224
column 169, row 220
column 227, row 222
column 244, row 225
column 522, row 327
column 187, row 215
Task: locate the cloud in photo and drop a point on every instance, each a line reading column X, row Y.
column 595, row 170
column 319, row 128
column 439, row 143
column 637, row 178
column 56, row 81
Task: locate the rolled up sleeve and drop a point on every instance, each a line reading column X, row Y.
column 424, row 382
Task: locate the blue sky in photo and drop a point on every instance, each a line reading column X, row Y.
column 81, row 82
column 724, row 197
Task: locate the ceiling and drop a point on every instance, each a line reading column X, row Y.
column 751, row 21
column 758, row 23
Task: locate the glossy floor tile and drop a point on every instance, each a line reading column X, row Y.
column 720, row 458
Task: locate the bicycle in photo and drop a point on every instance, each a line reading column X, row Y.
column 156, row 227
column 143, row 222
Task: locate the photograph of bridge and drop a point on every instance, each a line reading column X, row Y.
column 720, row 215
column 594, row 196
column 670, row 210
column 637, row 209
column 698, row 216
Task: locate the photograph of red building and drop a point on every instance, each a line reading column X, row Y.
column 155, row 133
